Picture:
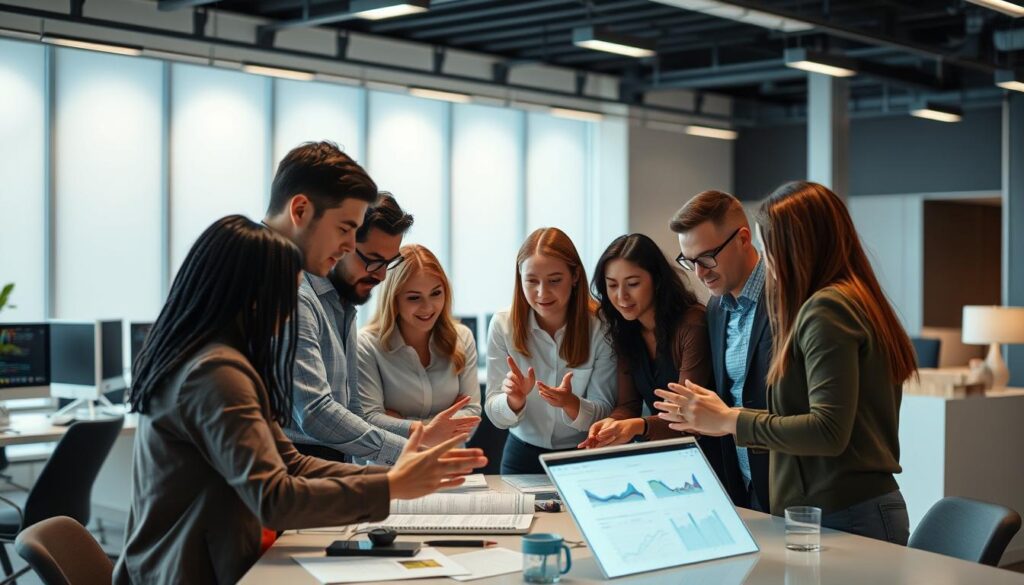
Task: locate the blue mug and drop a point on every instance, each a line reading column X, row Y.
column 542, row 558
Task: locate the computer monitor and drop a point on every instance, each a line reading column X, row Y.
column 24, row 360
column 137, row 333
column 469, row 322
column 87, row 361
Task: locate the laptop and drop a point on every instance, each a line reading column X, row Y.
column 648, row 506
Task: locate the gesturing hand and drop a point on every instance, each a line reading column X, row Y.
column 445, row 425
column 517, row 386
column 561, row 396
column 691, row 408
column 612, row 431
column 418, row 473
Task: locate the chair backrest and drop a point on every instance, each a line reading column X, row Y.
column 62, row 552
column 927, row 351
column 966, row 529
column 64, row 486
column 492, row 440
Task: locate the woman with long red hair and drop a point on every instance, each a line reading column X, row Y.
column 550, row 369
column 841, row 357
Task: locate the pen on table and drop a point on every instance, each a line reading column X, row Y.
column 465, row 543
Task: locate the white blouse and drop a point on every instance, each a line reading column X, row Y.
column 539, row 423
column 393, row 378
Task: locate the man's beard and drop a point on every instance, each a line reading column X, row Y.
column 348, row 292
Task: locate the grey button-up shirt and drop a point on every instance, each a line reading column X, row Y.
column 326, row 409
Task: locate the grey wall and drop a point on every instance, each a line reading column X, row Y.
column 893, row 155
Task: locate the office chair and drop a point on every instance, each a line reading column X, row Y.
column 966, row 529
column 927, row 351
column 64, row 486
column 492, row 440
column 62, row 552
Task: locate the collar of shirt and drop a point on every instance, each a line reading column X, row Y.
column 325, row 291
column 535, row 326
column 751, row 291
column 397, row 342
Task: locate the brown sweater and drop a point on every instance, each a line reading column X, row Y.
column 694, row 361
column 211, row 467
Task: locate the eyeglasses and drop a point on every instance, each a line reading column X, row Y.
column 374, row 265
column 707, row 259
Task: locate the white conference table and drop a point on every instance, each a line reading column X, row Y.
column 36, row 427
column 844, row 560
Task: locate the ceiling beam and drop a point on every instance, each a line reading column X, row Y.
column 168, row 5
column 437, row 17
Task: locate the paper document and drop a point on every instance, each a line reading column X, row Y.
column 488, row 563
column 428, row 563
column 531, row 483
column 480, row 513
column 473, row 483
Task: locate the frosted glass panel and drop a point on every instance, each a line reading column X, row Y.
column 556, row 176
column 308, row 111
column 487, row 186
column 22, row 172
column 407, row 157
column 107, row 158
column 218, row 150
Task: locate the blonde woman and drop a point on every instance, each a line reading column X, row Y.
column 416, row 363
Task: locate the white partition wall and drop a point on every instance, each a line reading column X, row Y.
column 218, row 150
column 107, row 179
column 408, row 156
column 23, row 178
column 487, row 191
column 556, row 176
column 310, row 111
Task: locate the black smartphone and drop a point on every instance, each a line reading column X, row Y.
column 365, row 548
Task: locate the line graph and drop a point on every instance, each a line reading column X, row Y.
column 630, row 494
column 663, row 490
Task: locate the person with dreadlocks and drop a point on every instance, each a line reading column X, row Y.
column 213, row 381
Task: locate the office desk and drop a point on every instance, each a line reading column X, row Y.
column 846, row 559
column 26, row 428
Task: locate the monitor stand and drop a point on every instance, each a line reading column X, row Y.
column 73, row 410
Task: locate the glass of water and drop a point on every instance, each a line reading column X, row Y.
column 803, row 528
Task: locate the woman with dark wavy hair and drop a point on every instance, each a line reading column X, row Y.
column 658, row 330
column 213, row 386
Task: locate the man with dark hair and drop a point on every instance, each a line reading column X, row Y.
column 317, row 184
column 717, row 246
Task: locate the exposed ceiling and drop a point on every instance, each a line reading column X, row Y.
column 904, row 48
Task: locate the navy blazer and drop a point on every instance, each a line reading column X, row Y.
column 755, row 393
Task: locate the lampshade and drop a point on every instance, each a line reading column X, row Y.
column 987, row 324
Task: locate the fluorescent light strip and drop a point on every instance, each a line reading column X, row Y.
column 293, row 74
column 709, row 132
column 815, row 67
column 936, row 115
column 617, row 48
column 1012, row 84
column 92, row 46
column 19, row 34
column 436, row 94
column 389, row 12
column 581, row 115
column 1008, row 8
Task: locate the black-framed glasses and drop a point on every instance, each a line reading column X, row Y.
column 707, row 259
column 374, row 265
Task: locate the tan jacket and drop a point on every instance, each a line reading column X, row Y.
column 211, row 467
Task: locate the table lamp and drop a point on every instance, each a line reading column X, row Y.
column 994, row 326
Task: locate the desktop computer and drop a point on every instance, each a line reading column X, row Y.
column 24, row 360
column 87, row 362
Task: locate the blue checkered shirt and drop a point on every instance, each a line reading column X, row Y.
column 326, row 409
column 740, row 311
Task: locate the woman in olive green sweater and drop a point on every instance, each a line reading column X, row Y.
column 835, row 382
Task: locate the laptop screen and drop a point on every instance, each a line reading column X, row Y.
column 648, row 506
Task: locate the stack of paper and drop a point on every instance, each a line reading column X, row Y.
column 538, row 483
column 472, row 513
column 474, row 483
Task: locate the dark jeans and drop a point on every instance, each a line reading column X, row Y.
column 521, row 457
column 322, row 452
column 882, row 518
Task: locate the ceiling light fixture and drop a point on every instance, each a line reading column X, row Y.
column 815, row 62
column 601, row 39
column 571, row 114
column 437, row 94
column 279, row 72
column 19, row 34
column 938, row 112
column 76, row 43
column 710, row 132
column 1014, row 9
column 381, row 9
column 1011, row 80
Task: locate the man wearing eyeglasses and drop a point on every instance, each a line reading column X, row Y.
column 716, row 244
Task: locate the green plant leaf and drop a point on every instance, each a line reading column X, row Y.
column 5, row 294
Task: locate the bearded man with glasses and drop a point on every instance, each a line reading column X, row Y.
column 716, row 244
